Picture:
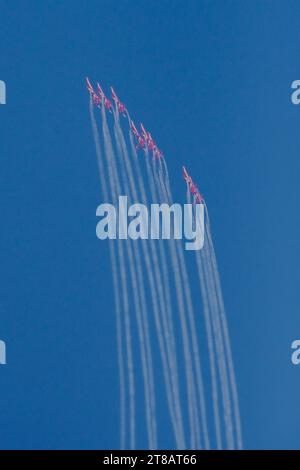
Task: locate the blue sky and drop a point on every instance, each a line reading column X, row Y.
column 211, row 80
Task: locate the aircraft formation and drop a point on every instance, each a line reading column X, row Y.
column 143, row 138
column 151, row 283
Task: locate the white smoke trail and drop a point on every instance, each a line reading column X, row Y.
column 210, row 342
column 165, row 185
column 112, row 177
column 171, row 344
column 142, row 312
column 213, row 303
column 177, row 404
column 196, row 351
column 155, row 288
column 180, row 287
column 219, row 348
column 195, row 346
column 116, row 284
column 165, row 299
column 214, row 341
column 208, row 276
column 225, row 333
column 211, row 351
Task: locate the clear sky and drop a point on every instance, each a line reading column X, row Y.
column 211, row 80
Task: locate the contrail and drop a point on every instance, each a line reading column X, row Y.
column 138, row 288
column 109, row 157
column 225, row 333
column 178, row 428
column 116, row 283
column 165, row 306
column 192, row 408
column 215, row 342
column 166, row 190
column 155, row 285
column 219, row 345
column 171, row 344
column 213, row 303
column 210, row 344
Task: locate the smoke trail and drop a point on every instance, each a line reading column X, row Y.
column 171, row 345
column 219, row 350
column 192, row 408
column 112, row 176
column 211, row 351
column 116, row 284
column 212, row 299
column 165, row 300
column 211, row 342
column 219, row 346
column 138, row 287
column 225, row 333
column 178, row 411
column 195, row 347
column 165, row 185
column 155, row 287
column 213, row 338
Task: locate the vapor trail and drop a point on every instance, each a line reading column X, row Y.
column 192, row 406
column 178, row 428
column 210, row 342
column 112, row 178
column 208, row 275
column 225, row 333
column 155, row 285
column 211, row 295
column 116, row 284
column 142, row 312
column 171, row 344
column 125, row 174
column 211, row 350
column 165, row 186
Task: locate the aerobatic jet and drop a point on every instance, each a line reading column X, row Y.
column 105, row 100
column 186, row 176
column 141, row 143
column 145, row 134
column 121, row 106
column 89, row 86
column 148, row 139
column 158, row 153
column 150, row 143
column 192, row 187
column 95, row 97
